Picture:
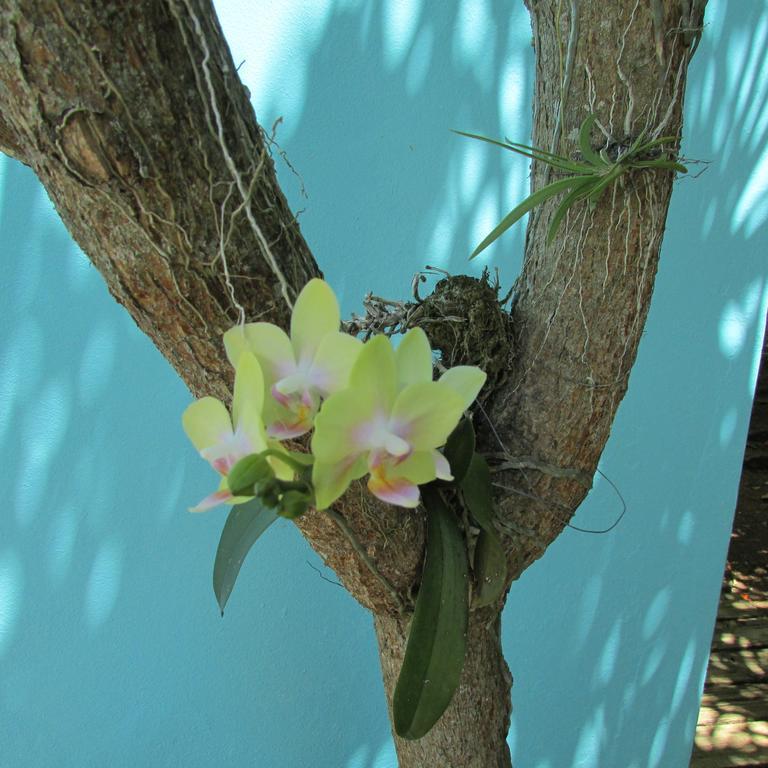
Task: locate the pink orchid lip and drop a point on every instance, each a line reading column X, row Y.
column 211, row 501
column 399, row 491
column 282, row 431
column 284, row 400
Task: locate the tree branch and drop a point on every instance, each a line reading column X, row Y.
column 148, row 145
column 9, row 143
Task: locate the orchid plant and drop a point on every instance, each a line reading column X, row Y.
column 375, row 410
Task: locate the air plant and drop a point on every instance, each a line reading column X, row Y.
column 587, row 178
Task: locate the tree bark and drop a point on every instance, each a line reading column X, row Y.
column 472, row 733
column 134, row 119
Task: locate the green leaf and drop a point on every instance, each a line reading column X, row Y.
column 490, row 565
column 246, row 522
column 585, row 144
column 550, row 158
column 533, row 153
column 476, row 489
column 248, row 472
column 490, row 568
column 656, row 143
column 608, row 178
column 460, row 448
column 434, row 654
column 538, row 197
column 572, row 197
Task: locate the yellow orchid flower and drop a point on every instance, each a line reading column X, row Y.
column 390, row 422
column 304, row 369
column 222, row 441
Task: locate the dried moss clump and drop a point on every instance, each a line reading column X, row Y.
column 465, row 321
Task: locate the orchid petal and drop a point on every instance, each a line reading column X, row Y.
column 235, row 343
column 206, row 422
column 466, row 380
column 273, row 350
column 341, row 426
column 289, row 428
column 333, row 362
column 442, row 467
column 418, row 468
column 315, row 315
column 212, row 500
column 414, row 358
column 331, row 480
column 225, row 454
column 249, row 387
column 424, row 414
column 375, row 372
column 396, row 446
column 394, row 490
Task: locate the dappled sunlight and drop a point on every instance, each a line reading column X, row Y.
column 474, row 41
column 105, row 580
column 686, row 528
column 44, row 423
column 728, row 426
column 103, row 585
column 400, row 20
column 11, row 583
column 606, row 664
column 733, row 721
column 656, row 613
column 739, row 320
column 61, row 540
column 96, row 365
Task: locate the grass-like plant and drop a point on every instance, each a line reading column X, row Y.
column 587, row 179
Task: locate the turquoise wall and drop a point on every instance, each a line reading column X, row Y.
column 112, row 651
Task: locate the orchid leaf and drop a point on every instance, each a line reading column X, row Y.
column 537, row 198
column 434, row 654
column 245, row 523
column 490, row 568
column 572, row 197
column 460, row 448
column 533, row 153
column 490, row 564
column 476, row 489
column 589, row 154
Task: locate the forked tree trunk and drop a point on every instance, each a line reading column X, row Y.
column 134, row 119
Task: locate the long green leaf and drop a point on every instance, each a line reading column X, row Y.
column 460, row 448
column 246, row 522
column 656, row 143
column 572, row 197
column 476, row 489
column 608, row 178
column 533, row 153
column 550, row 157
column 537, row 198
column 490, row 564
column 434, row 654
column 585, row 143
column 490, row 568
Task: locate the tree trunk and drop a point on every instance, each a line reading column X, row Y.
column 134, row 119
column 472, row 733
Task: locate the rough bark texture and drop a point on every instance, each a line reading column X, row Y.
column 134, row 119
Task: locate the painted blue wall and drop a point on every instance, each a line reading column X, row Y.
column 111, row 648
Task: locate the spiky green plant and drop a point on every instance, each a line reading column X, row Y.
column 586, row 180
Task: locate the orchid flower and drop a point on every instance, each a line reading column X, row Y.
column 390, row 422
column 222, row 441
column 304, row 369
